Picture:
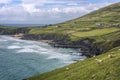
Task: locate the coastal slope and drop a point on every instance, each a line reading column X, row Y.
column 102, row 67
column 99, row 32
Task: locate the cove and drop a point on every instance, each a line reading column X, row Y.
column 21, row 59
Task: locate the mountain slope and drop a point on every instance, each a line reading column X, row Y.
column 102, row 18
column 107, row 15
column 100, row 31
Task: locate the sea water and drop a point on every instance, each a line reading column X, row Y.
column 21, row 59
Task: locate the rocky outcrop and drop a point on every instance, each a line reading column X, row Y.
column 60, row 40
column 53, row 36
column 88, row 45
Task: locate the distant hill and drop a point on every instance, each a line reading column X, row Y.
column 23, row 25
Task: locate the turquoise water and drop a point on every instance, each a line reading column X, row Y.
column 20, row 59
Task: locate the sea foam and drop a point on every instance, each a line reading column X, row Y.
column 14, row 47
column 27, row 50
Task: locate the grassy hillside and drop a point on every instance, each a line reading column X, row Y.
column 89, row 69
column 102, row 26
column 88, row 25
column 95, row 32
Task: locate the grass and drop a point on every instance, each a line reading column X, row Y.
column 91, row 33
column 108, row 37
column 93, row 70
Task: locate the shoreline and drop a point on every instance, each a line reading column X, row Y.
column 83, row 51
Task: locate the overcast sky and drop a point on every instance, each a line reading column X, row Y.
column 46, row 11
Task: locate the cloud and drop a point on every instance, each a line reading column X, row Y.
column 5, row 1
column 45, row 12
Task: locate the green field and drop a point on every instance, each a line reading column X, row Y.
column 96, row 32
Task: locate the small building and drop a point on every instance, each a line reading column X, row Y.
column 100, row 25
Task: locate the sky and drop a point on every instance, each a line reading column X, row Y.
column 47, row 11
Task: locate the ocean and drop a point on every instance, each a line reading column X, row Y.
column 20, row 59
